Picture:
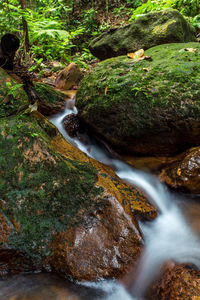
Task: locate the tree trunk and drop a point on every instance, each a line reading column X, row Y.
column 25, row 27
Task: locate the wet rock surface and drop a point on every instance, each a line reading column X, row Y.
column 48, row 188
column 104, row 246
column 145, row 107
column 184, row 173
column 178, row 282
column 72, row 124
column 155, row 28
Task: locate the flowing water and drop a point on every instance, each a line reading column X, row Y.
column 168, row 237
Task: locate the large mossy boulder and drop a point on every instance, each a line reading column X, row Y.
column 145, row 106
column 51, row 194
column 152, row 29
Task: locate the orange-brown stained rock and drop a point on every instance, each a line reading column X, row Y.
column 131, row 199
column 105, row 245
column 184, row 174
column 153, row 164
column 178, row 282
column 111, row 242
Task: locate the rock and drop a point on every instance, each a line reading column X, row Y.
column 177, row 282
column 142, row 106
column 68, row 77
column 152, row 29
column 184, row 173
column 48, row 189
column 72, row 124
column 108, row 235
column 13, row 98
column 41, row 192
column 51, row 101
column 104, row 246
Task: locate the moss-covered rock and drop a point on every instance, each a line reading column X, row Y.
column 13, row 98
column 51, row 101
column 155, row 28
column 143, row 106
column 47, row 190
column 39, row 189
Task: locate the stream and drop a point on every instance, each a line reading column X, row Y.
column 171, row 236
column 168, row 237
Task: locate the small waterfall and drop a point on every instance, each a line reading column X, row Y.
column 167, row 237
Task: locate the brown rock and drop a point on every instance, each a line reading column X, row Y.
column 178, row 282
column 68, row 77
column 112, row 242
column 105, row 245
column 72, row 124
column 184, row 173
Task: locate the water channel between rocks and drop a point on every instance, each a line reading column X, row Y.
column 168, row 237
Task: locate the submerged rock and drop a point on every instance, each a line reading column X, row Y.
column 184, row 173
column 46, row 286
column 152, row 29
column 72, row 124
column 142, row 106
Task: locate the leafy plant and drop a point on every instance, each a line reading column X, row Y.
column 11, row 88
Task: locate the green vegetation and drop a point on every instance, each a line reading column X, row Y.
column 62, row 29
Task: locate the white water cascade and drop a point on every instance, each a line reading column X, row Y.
column 168, row 237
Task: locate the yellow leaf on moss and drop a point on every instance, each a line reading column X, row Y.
column 106, row 89
column 137, row 54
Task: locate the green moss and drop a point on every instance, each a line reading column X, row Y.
column 48, row 94
column 13, row 98
column 41, row 190
column 155, row 28
column 162, row 29
column 140, row 95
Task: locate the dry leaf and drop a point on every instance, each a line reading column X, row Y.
column 190, row 49
column 178, row 172
column 137, row 54
column 145, row 69
column 106, row 89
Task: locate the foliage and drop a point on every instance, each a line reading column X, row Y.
column 58, row 29
column 188, row 7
